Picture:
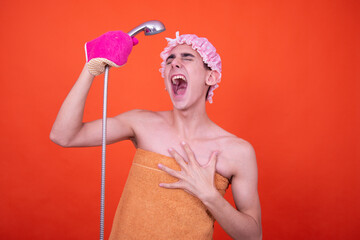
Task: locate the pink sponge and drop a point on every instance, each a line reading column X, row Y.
column 111, row 48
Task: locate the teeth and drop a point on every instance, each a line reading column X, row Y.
column 175, row 79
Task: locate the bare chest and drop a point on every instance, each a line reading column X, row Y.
column 160, row 138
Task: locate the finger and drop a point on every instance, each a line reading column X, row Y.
column 178, row 158
column 171, row 185
column 213, row 159
column 190, row 154
column 170, row 171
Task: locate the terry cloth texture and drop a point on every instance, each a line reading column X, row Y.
column 147, row 211
column 111, row 48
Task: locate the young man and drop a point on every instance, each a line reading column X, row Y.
column 184, row 161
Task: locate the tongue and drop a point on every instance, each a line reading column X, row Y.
column 181, row 88
column 181, row 91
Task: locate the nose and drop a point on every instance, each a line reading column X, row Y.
column 175, row 63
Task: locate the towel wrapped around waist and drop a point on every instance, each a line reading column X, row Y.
column 147, row 211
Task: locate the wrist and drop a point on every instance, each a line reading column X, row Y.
column 87, row 72
column 210, row 197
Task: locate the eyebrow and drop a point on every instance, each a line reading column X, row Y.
column 187, row 55
column 172, row 56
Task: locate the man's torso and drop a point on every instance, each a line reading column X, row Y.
column 154, row 132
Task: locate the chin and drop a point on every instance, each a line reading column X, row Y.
column 185, row 104
column 185, row 101
column 179, row 105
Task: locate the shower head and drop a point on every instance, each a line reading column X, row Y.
column 149, row 28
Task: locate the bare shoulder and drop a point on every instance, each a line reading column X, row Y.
column 233, row 146
column 237, row 156
column 136, row 113
column 137, row 116
column 239, row 149
column 143, row 122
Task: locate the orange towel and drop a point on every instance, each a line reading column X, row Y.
column 147, row 211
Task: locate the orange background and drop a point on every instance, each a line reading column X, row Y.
column 290, row 86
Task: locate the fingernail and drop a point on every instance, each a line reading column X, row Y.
column 183, row 143
column 160, row 165
column 161, row 185
column 170, row 149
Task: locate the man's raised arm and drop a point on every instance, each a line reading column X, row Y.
column 69, row 130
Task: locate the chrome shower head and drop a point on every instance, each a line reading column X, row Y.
column 149, row 28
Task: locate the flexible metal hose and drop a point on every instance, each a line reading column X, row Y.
column 149, row 28
column 103, row 154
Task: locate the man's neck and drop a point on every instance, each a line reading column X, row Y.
column 190, row 123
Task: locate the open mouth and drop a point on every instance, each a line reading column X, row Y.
column 179, row 84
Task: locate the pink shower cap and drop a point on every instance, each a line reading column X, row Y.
column 206, row 50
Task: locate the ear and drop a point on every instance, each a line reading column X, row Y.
column 213, row 78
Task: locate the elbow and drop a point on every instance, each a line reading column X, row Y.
column 57, row 139
column 259, row 234
column 258, row 230
column 258, row 237
column 254, row 234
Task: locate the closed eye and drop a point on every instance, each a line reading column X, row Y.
column 170, row 58
column 187, row 55
column 184, row 56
